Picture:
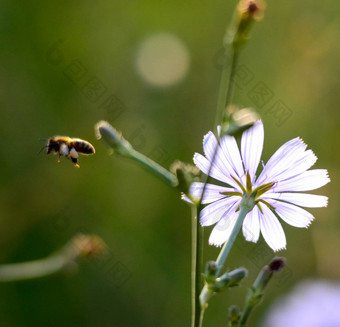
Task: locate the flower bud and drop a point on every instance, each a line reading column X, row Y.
column 247, row 12
column 114, row 139
column 186, row 174
column 256, row 293
column 251, row 9
column 234, row 315
column 237, row 120
column 228, row 279
column 210, row 272
column 232, row 278
column 267, row 272
column 90, row 246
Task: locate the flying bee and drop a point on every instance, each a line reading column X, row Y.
column 69, row 148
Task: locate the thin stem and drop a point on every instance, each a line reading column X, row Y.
column 231, row 85
column 197, row 260
column 222, row 257
column 227, row 83
column 201, row 318
column 225, row 94
column 32, row 269
column 245, row 314
column 122, row 147
column 154, row 167
column 224, row 99
column 256, row 292
column 79, row 246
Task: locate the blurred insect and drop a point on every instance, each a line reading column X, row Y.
column 68, row 147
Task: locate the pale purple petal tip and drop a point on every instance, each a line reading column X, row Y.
column 213, row 212
column 307, row 181
column 222, row 231
column 272, row 230
column 299, row 199
column 251, row 147
column 251, row 225
column 212, row 192
column 292, row 215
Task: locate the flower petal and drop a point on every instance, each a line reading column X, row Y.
column 209, row 145
column 251, row 225
column 212, row 192
column 220, row 161
column 306, row 161
column 302, row 162
column 185, row 198
column 272, row 230
column 213, row 212
column 282, row 159
column 307, row 181
column 299, row 199
column 222, row 231
column 293, row 215
column 251, row 147
column 203, row 164
column 230, row 149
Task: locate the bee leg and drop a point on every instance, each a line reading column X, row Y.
column 58, row 161
column 75, row 160
column 74, row 157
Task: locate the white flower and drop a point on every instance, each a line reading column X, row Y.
column 311, row 304
column 285, row 173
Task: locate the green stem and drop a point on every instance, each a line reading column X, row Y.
column 256, row 293
column 227, row 83
column 197, row 262
column 224, row 99
column 79, row 246
column 122, row 147
column 201, row 318
column 32, row 269
column 206, row 294
column 154, row 167
column 245, row 314
column 231, row 85
column 222, row 257
column 225, row 94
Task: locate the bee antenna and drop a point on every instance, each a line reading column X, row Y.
column 44, row 147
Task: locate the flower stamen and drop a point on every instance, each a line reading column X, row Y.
column 267, row 204
column 238, row 183
column 263, row 188
column 231, row 193
column 248, row 182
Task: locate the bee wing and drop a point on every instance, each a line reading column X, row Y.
column 83, row 147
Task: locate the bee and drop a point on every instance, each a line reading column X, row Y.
column 69, row 148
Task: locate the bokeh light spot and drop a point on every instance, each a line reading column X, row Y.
column 163, row 60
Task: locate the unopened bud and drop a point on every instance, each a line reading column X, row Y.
column 252, row 9
column 90, row 246
column 256, row 293
column 114, row 139
column 277, row 264
column 234, row 316
column 186, row 174
column 247, row 12
column 210, row 272
column 232, row 278
column 237, row 120
column 267, row 272
column 228, row 279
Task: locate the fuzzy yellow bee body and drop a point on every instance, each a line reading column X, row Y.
column 69, row 147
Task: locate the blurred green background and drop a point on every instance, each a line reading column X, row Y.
column 64, row 65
